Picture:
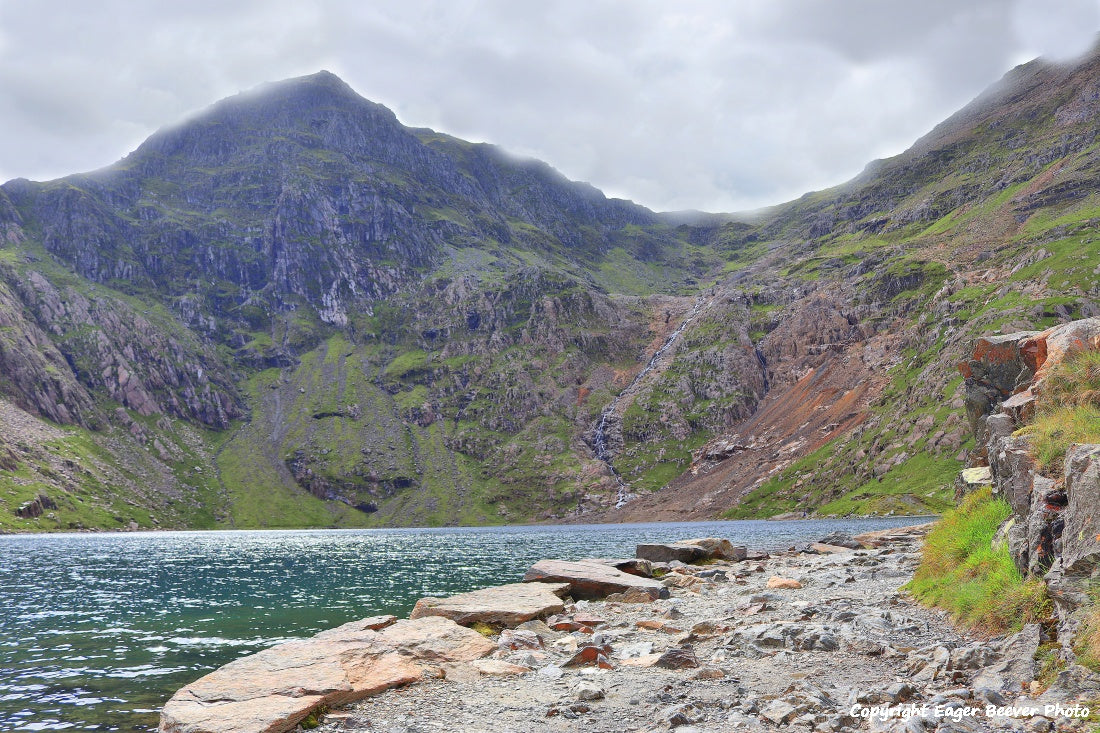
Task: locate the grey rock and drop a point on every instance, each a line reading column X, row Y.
column 1018, row 664
column 973, row 656
column 670, row 553
column 552, row 671
column 586, row 690
column 993, row 697
column 1073, row 684
column 637, row 649
column 900, row 692
column 778, row 711
column 681, row 715
column 1039, row 724
column 1080, row 546
column 841, row 539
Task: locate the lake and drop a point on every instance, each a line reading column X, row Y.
column 98, row 630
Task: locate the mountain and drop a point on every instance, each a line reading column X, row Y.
column 292, row 310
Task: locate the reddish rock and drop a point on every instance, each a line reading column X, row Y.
column 1042, row 351
column 588, row 619
column 519, row 639
column 592, row 654
column 678, row 658
column 630, row 596
column 783, row 583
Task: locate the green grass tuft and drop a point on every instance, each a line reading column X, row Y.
column 965, row 573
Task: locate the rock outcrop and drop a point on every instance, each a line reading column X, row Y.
column 1054, row 530
column 275, row 689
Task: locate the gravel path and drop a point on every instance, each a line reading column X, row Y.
column 746, row 656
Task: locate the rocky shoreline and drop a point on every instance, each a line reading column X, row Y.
column 818, row 638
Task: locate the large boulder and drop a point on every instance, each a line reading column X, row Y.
column 671, row 553
column 1013, row 468
column 717, row 548
column 275, row 689
column 503, row 606
column 1017, row 665
column 592, row 580
column 689, row 551
column 841, row 539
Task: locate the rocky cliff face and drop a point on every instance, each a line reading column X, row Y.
column 1054, row 532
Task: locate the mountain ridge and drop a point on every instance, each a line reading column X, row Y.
column 295, row 311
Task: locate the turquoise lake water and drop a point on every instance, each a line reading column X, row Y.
column 98, row 630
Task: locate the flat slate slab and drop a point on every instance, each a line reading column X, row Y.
column 689, row 551
column 273, row 690
column 592, row 580
column 502, row 606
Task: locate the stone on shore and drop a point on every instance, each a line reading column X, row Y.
column 674, row 552
column 897, row 535
column 504, row 606
column 593, row 580
column 630, row 565
column 690, row 551
column 841, row 539
column 273, row 690
column 827, row 549
column 718, row 549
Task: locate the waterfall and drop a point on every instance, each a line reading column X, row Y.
column 599, row 441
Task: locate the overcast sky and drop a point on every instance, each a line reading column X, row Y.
column 718, row 105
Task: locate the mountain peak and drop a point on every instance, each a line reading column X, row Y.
column 291, row 107
column 320, row 82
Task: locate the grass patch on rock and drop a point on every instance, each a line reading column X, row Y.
column 965, row 572
column 1069, row 410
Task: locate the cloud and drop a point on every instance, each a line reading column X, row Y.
column 695, row 104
